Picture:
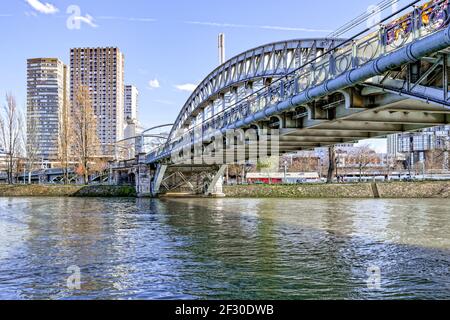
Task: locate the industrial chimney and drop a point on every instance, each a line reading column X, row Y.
column 221, row 48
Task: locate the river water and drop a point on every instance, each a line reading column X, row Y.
column 224, row 248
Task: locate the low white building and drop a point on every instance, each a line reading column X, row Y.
column 132, row 129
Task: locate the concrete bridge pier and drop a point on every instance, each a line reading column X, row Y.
column 215, row 188
column 143, row 179
column 157, row 179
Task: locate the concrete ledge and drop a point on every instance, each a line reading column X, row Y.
column 432, row 189
column 427, row 189
column 65, row 191
column 363, row 190
column 106, row 191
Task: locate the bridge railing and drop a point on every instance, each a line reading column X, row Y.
column 419, row 22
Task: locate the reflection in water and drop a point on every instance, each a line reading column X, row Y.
column 223, row 248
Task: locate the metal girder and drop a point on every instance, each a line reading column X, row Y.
column 394, row 117
column 192, row 179
column 293, row 133
column 360, row 126
column 426, row 74
column 421, row 111
column 292, row 140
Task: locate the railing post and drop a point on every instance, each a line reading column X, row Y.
column 332, row 65
column 354, row 54
column 282, row 89
column 296, row 80
column 382, row 39
column 416, row 23
column 312, row 75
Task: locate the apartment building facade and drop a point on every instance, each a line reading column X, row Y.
column 47, row 90
column 417, row 144
column 102, row 71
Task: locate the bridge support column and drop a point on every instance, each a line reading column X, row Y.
column 110, row 175
column 157, row 179
column 142, row 174
column 215, row 188
column 143, row 182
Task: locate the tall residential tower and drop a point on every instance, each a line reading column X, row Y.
column 47, row 86
column 131, row 102
column 102, row 71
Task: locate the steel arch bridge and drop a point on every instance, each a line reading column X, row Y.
column 320, row 92
column 247, row 72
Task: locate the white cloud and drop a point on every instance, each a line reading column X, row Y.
column 188, row 87
column 154, row 84
column 232, row 25
column 137, row 19
column 88, row 19
column 45, row 8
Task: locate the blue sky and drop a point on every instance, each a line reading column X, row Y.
column 169, row 46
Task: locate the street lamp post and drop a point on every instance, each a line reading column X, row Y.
column 411, row 155
column 423, row 170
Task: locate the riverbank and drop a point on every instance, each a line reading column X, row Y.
column 429, row 189
column 66, row 191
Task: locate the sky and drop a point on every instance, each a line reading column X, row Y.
column 170, row 46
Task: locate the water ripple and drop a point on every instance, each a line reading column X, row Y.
column 224, row 248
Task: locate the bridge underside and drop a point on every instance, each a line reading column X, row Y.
column 378, row 116
column 409, row 98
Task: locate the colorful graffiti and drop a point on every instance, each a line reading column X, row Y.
column 433, row 14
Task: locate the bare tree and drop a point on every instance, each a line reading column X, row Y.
column 304, row 164
column 440, row 156
column 64, row 139
column 11, row 124
column 331, row 163
column 30, row 141
column 85, row 141
column 363, row 156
